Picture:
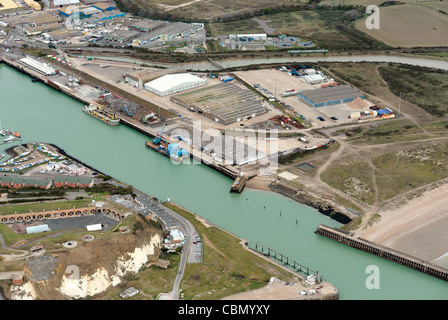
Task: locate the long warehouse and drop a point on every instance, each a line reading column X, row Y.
column 330, row 95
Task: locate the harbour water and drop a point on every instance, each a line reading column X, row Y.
column 41, row 114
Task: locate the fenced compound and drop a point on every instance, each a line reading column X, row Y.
column 224, row 103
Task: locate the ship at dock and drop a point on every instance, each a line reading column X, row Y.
column 98, row 112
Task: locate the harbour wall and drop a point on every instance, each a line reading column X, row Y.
column 383, row 252
column 123, row 119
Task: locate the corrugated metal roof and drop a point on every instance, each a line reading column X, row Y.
column 332, row 93
column 174, row 81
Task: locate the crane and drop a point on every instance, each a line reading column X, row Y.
column 157, row 139
column 127, row 111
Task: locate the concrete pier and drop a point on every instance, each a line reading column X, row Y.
column 383, row 252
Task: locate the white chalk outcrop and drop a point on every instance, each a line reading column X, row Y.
column 101, row 280
column 76, row 287
column 85, row 285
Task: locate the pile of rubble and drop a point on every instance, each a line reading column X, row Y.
column 120, row 105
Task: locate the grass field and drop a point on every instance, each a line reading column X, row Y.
column 239, row 26
column 403, row 171
column 409, row 25
column 353, row 178
column 37, row 206
column 423, row 87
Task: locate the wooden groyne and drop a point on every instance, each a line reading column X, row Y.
column 284, row 260
column 404, row 259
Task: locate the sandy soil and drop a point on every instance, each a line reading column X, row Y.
column 417, row 228
column 259, row 183
column 278, row 290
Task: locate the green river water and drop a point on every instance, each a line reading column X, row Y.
column 41, row 114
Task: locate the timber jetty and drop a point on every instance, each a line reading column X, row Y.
column 404, row 259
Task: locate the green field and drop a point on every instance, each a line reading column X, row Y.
column 406, row 170
column 424, row 87
column 44, row 206
column 353, row 178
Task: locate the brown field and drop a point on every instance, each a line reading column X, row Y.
column 209, row 9
column 409, row 25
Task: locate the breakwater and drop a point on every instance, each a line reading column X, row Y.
column 300, row 197
column 384, row 252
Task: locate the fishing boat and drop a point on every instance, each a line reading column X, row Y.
column 98, row 112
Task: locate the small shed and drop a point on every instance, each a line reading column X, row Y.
column 129, row 292
column 37, row 229
column 94, row 227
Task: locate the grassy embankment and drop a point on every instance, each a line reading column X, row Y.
column 227, row 267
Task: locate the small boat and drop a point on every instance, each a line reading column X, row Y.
column 9, row 139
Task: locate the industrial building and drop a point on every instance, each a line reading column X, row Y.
column 60, row 3
column 33, row 4
column 104, row 16
column 170, row 30
column 312, row 78
column 249, row 37
column 147, row 25
column 8, row 5
column 105, row 6
column 174, row 83
column 140, row 77
column 38, row 66
column 121, row 36
column 330, row 95
column 224, row 103
column 31, row 31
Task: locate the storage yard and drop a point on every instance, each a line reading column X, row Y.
column 322, row 102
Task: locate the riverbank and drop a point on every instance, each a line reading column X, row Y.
column 320, row 205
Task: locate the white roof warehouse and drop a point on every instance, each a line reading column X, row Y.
column 173, row 83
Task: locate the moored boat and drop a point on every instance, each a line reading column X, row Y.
column 99, row 113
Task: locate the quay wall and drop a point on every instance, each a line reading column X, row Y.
column 383, row 252
column 123, row 119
